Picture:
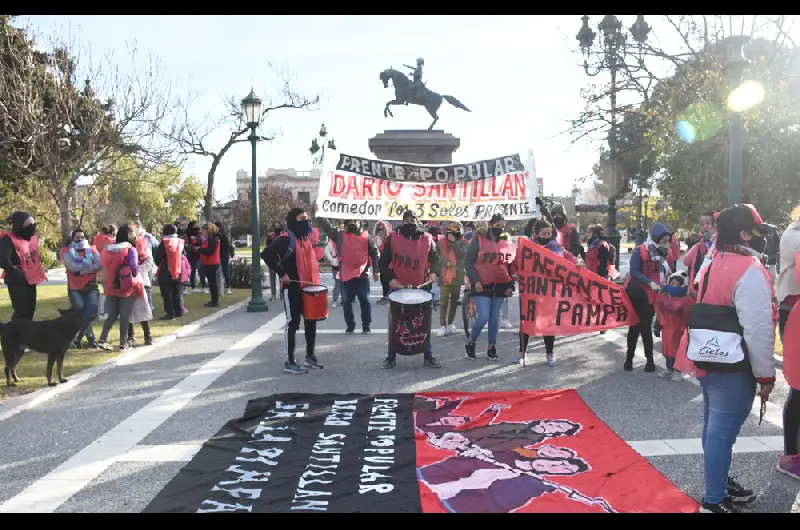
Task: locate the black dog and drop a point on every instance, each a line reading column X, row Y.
column 53, row 337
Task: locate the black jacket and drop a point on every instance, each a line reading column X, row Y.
column 9, row 260
column 280, row 259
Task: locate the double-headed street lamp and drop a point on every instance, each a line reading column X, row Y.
column 612, row 59
column 251, row 107
column 318, row 145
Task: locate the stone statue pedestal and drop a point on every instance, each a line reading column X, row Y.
column 415, row 146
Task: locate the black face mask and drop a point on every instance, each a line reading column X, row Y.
column 408, row 229
column 27, row 232
column 559, row 221
column 497, row 231
column 353, row 229
column 759, row 244
column 457, row 235
column 301, row 228
column 278, row 229
column 544, row 241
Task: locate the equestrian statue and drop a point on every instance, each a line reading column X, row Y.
column 415, row 92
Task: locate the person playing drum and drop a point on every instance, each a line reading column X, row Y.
column 291, row 256
column 356, row 251
column 408, row 254
column 490, row 257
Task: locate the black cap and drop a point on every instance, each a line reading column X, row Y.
column 742, row 217
column 409, row 213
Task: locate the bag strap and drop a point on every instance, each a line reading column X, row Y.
column 705, row 282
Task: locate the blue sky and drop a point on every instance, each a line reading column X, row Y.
column 516, row 74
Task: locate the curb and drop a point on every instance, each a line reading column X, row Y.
column 32, row 400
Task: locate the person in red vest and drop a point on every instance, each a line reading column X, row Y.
column 21, row 264
column 194, row 240
column 452, row 250
column 566, row 233
column 649, row 271
column 291, row 255
column 82, row 262
column 489, row 259
column 121, row 262
column 694, row 257
column 409, row 255
column 356, row 252
column 168, row 262
column 210, row 259
column 104, row 238
column 788, row 290
column 738, row 320
column 600, row 256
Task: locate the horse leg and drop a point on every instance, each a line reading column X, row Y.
column 387, row 112
column 432, row 111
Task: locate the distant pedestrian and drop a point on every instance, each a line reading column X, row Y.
column 20, row 259
column 169, row 263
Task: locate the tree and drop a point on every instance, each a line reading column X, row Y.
column 274, row 203
column 83, row 130
column 685, row 117
column 193, row 138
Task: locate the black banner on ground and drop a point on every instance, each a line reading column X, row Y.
column 304, row 453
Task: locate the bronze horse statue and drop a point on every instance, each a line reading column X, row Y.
column 403, row 96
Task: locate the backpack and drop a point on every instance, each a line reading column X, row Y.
column 123, row 277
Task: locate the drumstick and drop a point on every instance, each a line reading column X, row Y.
column 425, row 284
column 301, row 281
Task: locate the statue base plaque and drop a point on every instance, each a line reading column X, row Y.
column 415, row 147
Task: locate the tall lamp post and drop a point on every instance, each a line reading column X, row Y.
column 251, row 107
column 734, row 68
column 612, row 60
column 318, row 145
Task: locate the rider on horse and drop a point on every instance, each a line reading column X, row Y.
column 416, row 77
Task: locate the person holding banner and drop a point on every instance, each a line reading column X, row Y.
column 408, row 254
column 649, row 270
column 291, row 255
column 356, row 252
column 452, row 249
column 489, row 259
column 566, row 233
column 543, row 236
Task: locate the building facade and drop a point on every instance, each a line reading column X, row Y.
column 304, row 185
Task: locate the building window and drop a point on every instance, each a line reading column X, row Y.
column 304, row 197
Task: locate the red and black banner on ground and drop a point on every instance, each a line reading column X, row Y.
column 559, row 299
column 495, row 452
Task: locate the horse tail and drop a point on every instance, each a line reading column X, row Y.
column 456, row 103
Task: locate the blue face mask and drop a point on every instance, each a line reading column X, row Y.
column 81, row 245
column 672, row 290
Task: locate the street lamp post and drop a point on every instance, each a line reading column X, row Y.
column 734, row 69
column 318, row 145
column 613, row 48
column 251, row 107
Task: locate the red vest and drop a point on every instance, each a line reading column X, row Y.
column 592, row 256
column 110, row 261
column 791, row 349
column 142, row 248
column 728, row 270
column 448, row 255
column 410, row 258
column 319, row 252
column 29, row 259
column 354, row 258
column 209, row 260
column 173, row 247
column 101, row 241
column 77, row 282
column 494, row 259
column 564, row 236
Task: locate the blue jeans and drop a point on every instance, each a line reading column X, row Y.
column 86, row 301
column 727, row 400
column 226, row 271
column 487, row 309
column 356, row 287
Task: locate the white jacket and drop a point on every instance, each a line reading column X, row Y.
column 787, row 284
column 330, row 254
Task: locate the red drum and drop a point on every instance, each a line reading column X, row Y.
column 315, row 302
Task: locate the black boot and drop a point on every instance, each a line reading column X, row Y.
column 628, row 366
column 650, row 366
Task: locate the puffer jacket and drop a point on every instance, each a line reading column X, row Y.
column 788, row 284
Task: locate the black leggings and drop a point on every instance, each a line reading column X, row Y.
column 293, row 307
column 645, row 313
column 791, row 423
column 549, row 343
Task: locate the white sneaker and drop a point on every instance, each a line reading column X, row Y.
column 206, row 291
column 666, row 374
column 677, row 376
column 452, row 329
column 333, row 304
column 229, row 291
column 187, row 291
column 442, row 331
column 197, row 290
column 104, row 316
column 505, row 324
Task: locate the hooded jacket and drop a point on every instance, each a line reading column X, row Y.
column 638, row 278
column 379, row 241
column 9, row 260
column 788, row 283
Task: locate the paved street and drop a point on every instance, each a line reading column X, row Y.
column 112, row 442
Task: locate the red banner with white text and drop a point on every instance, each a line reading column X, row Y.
column 559, row 299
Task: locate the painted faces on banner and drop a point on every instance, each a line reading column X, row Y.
column 559, row 299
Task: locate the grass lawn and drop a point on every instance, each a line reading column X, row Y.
column 52, row 297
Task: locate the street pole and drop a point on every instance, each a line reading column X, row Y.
column 613, row 234
column 639, row 227
column 735, row 70
column 257, row 303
